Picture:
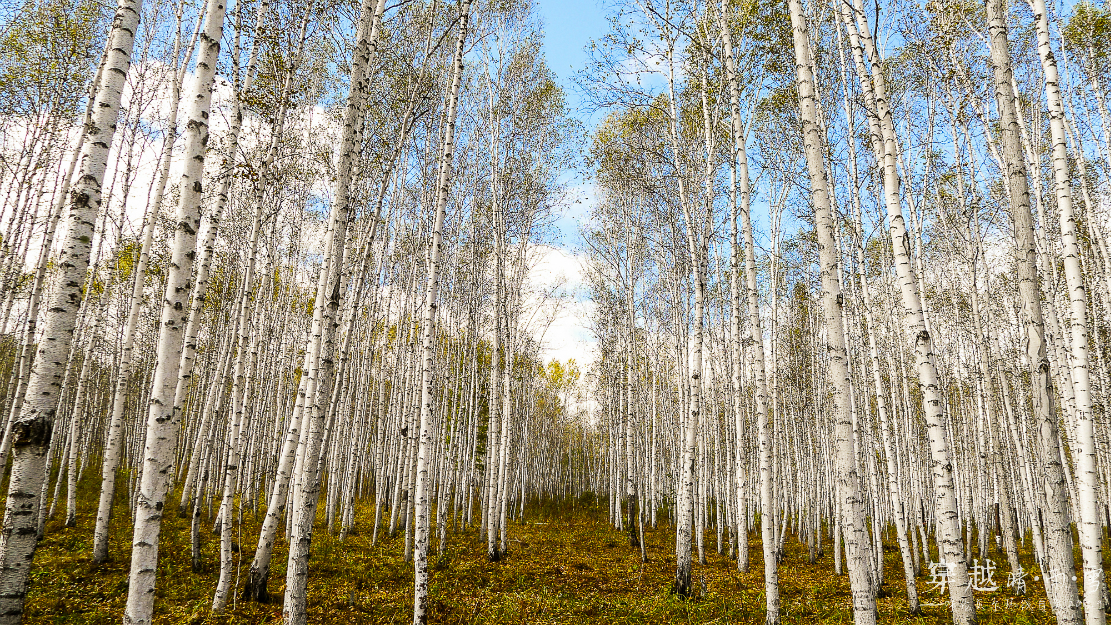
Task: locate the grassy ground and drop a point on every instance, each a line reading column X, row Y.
column 564, row 566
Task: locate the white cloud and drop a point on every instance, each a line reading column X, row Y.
column 556, row 288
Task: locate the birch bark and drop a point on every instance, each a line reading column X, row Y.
column 1085, row 458
column 1062, row 589
column 855, row 531
column 162, row 429
column 885, row 145
column 755, row 339
column 428, row 349
column 697, row 238
column 325, row 310
column 114, row 438
column 31, row 430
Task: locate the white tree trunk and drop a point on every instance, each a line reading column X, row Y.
column 31, row 430
column 885, row 146
column 114, row 438
column 161, row 436
column 428, row 349
column 855, row 530
column 1084, row 452
column 324, row 314
column 1062, row 589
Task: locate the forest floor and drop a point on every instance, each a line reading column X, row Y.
column 565, row 565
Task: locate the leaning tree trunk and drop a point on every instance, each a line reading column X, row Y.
column 31, row 431
column 324, row 322
column 1062, row 589
column 885, row 146
column 202, row 275
column 854, row 528
column 161, row 436
column 113, row 449
column 1084, row 453
column 894, row 488
column 22, row 365
column 255, row 588
column 223, row 586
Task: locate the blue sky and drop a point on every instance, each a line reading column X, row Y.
column 568, row 25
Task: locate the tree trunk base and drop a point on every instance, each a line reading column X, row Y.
column 255, row 588
column 682, row 586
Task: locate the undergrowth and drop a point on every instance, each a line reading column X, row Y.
column 565, row 564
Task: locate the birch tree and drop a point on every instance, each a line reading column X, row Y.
column 31, row 431
column 162, row 429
